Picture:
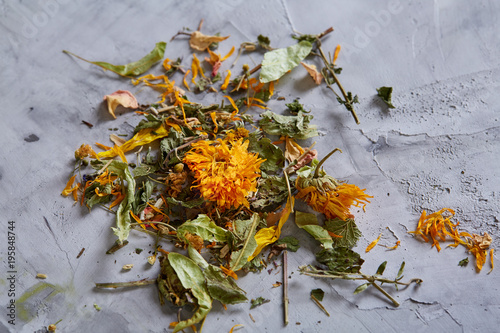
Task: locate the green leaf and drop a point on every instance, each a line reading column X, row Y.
column 296, row 107
column 385, row 93
column 272, row 193
column 264, row 42
column 222, row 287
column 381, row 268
column 275, row 160
column 347, row 229
column 122, row 214
column 340, row 259
column 144, row 170
column 292, row 243
column 278, row 62
column 361, row 288
column 309, row 222
column 401, row 269
column 240, row 258
column 192, row 278
column 204, row 227
column 151, row 121
column 318, row 294
column 464, row 262
column 258, row 301
column 186, row 204
column 219, row 285
column 296, row 127
column 133, row 68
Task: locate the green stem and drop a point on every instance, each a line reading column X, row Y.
column 316, row 173
column 386, row 294
column 115, row 285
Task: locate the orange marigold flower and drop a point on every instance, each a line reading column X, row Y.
column 334, row 202
column 225, row 172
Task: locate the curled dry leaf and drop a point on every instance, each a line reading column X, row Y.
column 201, row 42
column 116, row 139
column 311, row 69
column 120, row 97
column 483, row 242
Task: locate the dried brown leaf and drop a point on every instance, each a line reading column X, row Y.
column 311, row 69
column 201, row 42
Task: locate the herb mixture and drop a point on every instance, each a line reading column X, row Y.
column 221, row 185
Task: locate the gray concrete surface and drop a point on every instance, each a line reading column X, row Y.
column 438, row 148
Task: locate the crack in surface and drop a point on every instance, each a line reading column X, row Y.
column 58, row 245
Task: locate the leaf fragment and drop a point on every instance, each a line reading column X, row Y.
column 258, row 301
column 385, row 93
column 296, row 127
column 201, row 42
column 292, row 243
column 318, row 294
column 464, row 262
column 313, row 72
column 309, row 222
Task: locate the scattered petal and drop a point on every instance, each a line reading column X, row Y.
column 120, row 97
column 372, row 244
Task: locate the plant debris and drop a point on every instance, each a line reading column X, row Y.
column 210, row 180
column 258, row 302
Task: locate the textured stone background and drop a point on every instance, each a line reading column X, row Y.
column 439, row 148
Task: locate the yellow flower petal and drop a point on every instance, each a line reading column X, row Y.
column 266, row 236
column 226, row 80
column 372, row 244
column 143, row 137
column 69, row 189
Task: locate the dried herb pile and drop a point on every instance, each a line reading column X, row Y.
column 216, row 181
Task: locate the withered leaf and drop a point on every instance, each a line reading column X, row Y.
column 201, row 42
column 311, row 69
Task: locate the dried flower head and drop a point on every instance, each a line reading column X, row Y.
column 331, row 198
column 84, row 151
column 225, row 172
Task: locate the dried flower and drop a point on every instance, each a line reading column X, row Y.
column 334, row 202
column 84, row 151
column 438, row 227
column 225, row 172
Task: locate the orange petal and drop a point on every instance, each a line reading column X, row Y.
column 372, row 244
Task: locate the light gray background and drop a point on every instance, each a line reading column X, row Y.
column 438, row 148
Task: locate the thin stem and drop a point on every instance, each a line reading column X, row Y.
column 318, row 303
column 316, row 172
column 161, row 223
column 285, row 285
column 289, row 189
column 115, row 285
column 386, row 294
column 346, row 98
column 117, row 246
